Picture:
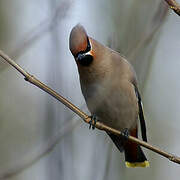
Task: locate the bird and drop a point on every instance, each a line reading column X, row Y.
column 110, row 88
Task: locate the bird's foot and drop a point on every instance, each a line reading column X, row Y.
column 93, row 121
column 125, row 134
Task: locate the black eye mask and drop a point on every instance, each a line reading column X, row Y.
column 84, row 59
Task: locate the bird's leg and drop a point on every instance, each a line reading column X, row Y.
column 93, row 121
column 125, row 134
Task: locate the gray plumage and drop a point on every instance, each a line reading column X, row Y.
column 109, row 85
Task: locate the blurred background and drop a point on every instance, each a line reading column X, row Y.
column 40, row 138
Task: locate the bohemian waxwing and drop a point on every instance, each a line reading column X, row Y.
column 109, row 86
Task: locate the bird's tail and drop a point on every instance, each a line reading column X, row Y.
column 134, row 156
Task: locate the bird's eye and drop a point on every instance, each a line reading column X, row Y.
column 84, row 59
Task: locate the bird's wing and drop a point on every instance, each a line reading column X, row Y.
column 141, row 115
column 118, row 141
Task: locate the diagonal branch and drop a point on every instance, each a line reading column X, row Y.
column 30, row 78
column 174, row 6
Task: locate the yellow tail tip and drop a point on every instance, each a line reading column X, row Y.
column 137, row 164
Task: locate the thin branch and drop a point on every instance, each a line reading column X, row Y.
column 174, row 6
column 84, row 116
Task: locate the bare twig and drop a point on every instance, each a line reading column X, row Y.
column 84, row 116
column 174, row 6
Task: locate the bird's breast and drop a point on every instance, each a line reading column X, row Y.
column 114, row 106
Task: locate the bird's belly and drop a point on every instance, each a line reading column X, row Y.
column 116, row 111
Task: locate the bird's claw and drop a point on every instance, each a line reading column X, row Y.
column 125, row 134
column 93, row 122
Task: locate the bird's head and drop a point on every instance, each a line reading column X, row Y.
column 80, row 46
column 92, row 58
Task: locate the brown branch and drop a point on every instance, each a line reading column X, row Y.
column 30, row 78
column 174, row 6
